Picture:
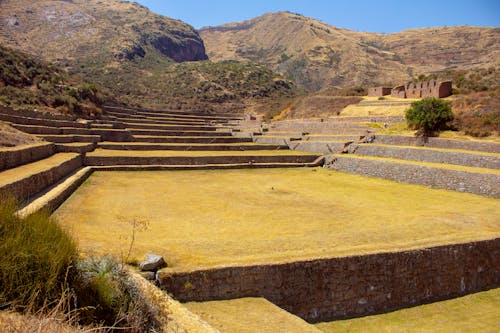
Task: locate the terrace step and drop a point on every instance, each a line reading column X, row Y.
column 147, row 120
column 76, row 147
column 188, row 146
column 67, row 138
column 163, row 127
column 176, row 133
column 327, row 147
column 259, row 313
column 190, row 139
column 169, row 113
column 41, row 122
column 14, row 156
column 434, row 155
column 482, row 181
column 276, row 140
column 225, row 166
column 56, row 194
column 37, row 129
column 118, row 157
column 490, row 147
column 25, row 181
column 166, row 118
column 339, row 130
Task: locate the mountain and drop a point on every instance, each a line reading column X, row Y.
column 316, row 55
column 142, row 58
column 111, row 30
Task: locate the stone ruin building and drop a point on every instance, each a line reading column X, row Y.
column 431, row 88
column 379, row 91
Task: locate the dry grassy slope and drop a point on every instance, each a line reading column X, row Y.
column 316, row 54
column 129, row 50
column 432, row 49
column 61, row 30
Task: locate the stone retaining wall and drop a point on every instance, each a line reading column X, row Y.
column 318, row 146
column 416, row 154
column 12, row 157
column 29, row 186
column 339, row 288
column 119, row 135
column 490, row 147
column 462, row 181
column 196, row 160
column 35, row 114
column 40, row 122
column 320, row 130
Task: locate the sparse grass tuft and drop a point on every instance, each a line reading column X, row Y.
column 35, row 256
column 105, row 294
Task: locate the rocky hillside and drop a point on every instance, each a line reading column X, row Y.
column 142, row 58
column 316, row 55
column 108, row 30
column 29, row 83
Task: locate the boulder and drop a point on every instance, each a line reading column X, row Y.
column 152, row 263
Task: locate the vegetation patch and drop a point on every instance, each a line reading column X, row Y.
column 429, row 116
column 36, row 256
column 33, row 84
column 42, row 275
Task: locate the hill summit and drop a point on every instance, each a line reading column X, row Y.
column 316, row 55
column 65, row 30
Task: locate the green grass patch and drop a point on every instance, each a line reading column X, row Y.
column 35, row 257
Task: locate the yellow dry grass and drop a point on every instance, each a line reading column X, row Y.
column 249, row 315
column 473, row 313
column 371, row 106
column 23, row 171
column 11, row 322
column 198, row 219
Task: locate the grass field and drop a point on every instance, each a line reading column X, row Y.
column 473, row 313
column 249, row 315
column 377, row 107
column 203, row 219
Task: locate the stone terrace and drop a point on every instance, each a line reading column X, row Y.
column 127, row 139
column 352, row 146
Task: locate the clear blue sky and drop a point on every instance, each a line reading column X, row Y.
column 362, row 15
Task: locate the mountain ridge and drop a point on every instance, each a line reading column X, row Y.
column 316, row 55
column 142, row 58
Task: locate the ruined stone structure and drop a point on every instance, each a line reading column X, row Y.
column 379, row 91
column 398, row 92
column 431, row 88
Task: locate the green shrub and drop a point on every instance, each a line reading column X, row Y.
column 35, row 256
column 429, row 116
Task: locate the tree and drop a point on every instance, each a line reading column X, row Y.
column 429, row 116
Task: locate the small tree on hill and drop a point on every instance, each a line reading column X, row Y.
column 429, row 116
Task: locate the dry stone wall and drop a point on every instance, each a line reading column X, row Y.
column 489, row 147
column 339, row 288
column 416, row 154
column 12, row 157
column 462, row 181
column 27, row 187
